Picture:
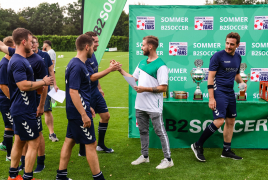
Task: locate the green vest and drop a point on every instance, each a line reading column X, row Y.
column 152, row 67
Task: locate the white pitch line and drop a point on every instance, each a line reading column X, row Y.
column 108, row 107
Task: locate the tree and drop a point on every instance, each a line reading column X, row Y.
column 122, row 26
column 8, row 22
column 72, row 23
column 44, row 19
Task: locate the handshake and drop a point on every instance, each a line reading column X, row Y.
column 114, row 66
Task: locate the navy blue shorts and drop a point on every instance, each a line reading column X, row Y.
column 48, row 106
column 26, row 126
column 39, row 123
column 76, row 131
column 225, row 105
column 8, row 120
column 97, row 102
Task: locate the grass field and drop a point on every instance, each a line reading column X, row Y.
column 116, row 166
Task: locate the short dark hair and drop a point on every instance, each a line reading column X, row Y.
column 20, row 34
column 235, row 36
column 152, row 40
column 82, row 41
column 34, row 37
column 8, row 41
column 91, row 33
column 48, row 42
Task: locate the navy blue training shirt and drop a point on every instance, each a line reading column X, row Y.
column 39, row 69
column 46, row 57
column 22, row 102
column 92, row 67
column 227, row 66
column 4, row 101
column 77, row 78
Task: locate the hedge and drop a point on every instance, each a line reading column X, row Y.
column 67, row 43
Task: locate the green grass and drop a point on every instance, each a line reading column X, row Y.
column 117, row 166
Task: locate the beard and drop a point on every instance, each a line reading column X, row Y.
column 89, row 54
column 146, row 53
column 27, row 50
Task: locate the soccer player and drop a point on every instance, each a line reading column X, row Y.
column 47, row 45
column 79, row 114
column 48, row 109
column 224, row 68
column 97, row 101
column 5, row 100
column 152, row 77
column 40, row 71
column 23, row 103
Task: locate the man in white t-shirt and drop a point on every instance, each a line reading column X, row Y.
column 152, row 76
column 47, row 46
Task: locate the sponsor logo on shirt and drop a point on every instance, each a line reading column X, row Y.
column 231, row 69
column 227, row 61
column 203, row 23
column 145, row 23
column 92, row 63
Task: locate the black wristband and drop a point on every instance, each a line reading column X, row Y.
column 210, row 86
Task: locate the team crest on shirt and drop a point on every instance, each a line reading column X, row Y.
column 178, row 48
column 145, row 23
column 241, row 49
column 260, row 22
column 203, row 23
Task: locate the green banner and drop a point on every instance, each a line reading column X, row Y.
column 187, row 33
column 185, row 121
column 101, row 16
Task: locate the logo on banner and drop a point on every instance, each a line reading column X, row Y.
column 260, row 22
column 259, row 74
column 241, row 49
column 203, row 23
column 145, row 23
column 178, row 48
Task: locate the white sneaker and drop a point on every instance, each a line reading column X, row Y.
column 8, row 158
column 140, row 160
column 165, row 164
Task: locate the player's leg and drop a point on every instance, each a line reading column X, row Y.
column 158, row 124
column 143, row 123
column 22, row 159
column 93, row 161
column 100, row 107
column 9, row 133
column 15, row 156
column 218, row 114
column 49, row 119
column 66, row 151
column 103, row 125
column 65, row 155
column 229, row 128
column 31, row 157
column 41, row 149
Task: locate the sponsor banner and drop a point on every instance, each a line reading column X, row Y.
column 261, row 22
column 259, row 74
column 185, row 121
column 101, row 16
column 187, row 33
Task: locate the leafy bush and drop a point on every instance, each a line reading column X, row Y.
column 67, row 43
